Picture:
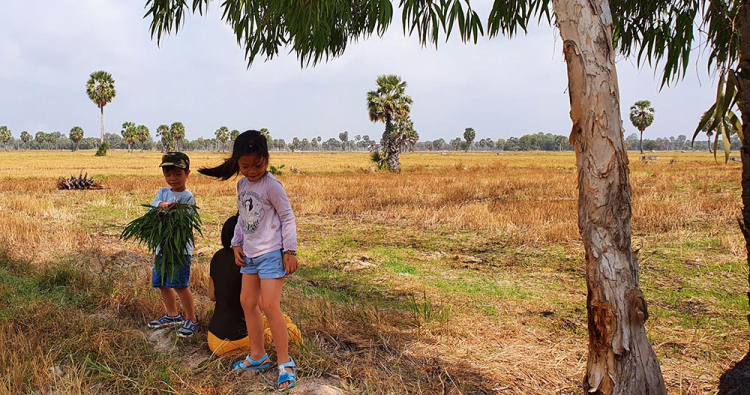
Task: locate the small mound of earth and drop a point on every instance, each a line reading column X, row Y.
column 160, row 339
column 353, row 265
column 315, row 386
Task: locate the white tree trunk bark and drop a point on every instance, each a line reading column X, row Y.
column 621, row 360
column 102, row 110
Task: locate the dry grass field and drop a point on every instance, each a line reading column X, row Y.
column 462, row 275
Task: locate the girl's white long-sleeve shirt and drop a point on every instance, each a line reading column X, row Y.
column 266, row 222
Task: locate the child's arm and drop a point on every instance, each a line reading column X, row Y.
column 211, row 294
column 278, row 198
column 159, row 200
column 237, row 243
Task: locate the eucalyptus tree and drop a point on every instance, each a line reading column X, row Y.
column 26, row 137
column 142, row 135
column 5, row 136
column 163, row 132
column 76, row 135
column 469, row 136
column 101, row 90
column 222, row 136
column 128, row 133
column 641, row 116
column 387, row 104
column 621, row 359
column 177, row 133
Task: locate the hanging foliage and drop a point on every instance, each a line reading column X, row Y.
column 166, row 232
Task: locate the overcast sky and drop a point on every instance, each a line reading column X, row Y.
column 500, row 87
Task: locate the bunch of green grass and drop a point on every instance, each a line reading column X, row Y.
column 168, row 231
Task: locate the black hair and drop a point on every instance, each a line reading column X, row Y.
column 248, row 142
column 227, row 231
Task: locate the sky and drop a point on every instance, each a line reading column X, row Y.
column 500, row 87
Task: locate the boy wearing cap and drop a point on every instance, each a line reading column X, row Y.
column 176, row 169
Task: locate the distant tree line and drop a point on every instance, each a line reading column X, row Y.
column 173, row 137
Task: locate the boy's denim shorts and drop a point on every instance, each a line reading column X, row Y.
column 266, row 266
column 181, row 279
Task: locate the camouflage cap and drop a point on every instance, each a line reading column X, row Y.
column 176, row 159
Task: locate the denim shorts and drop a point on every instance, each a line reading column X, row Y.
column 180, row 279
column 269, row 265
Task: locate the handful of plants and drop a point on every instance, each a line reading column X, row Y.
column 166, row 232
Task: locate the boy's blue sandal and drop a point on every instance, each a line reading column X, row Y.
column 263, row 363
column 187, row 329
column 165, row 321
column 286, row 377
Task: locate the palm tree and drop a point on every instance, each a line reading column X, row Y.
column 26, row 137
column 234, row 134
column 101, row 90
column 469, row 136
column 177, row 132
column 5, row 136
column 40, row 138
column 222, row 136
column 641, row 116
column 52, row 138
column 76, row 135
column 163, row 132
column 142, row 134
column 387, row 104
column 267, row 134
column 129, row 134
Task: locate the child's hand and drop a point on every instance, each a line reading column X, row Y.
column 165, row 205
column 239, row 256
column 290, row 263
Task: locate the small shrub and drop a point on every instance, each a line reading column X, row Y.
column 275, row 170
column 102, row 150
column 379, row 159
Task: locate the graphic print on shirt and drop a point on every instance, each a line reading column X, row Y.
column 251, row 211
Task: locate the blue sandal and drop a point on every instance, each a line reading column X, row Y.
column 262, row 363
column 285, row 376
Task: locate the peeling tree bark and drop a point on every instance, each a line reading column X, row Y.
column 621, row 359
column 742, row 79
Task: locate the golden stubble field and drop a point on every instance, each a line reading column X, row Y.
column 463, row 274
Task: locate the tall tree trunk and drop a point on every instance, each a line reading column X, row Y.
column 743, row 82
column 641, row 144
column 389, row 148
column 621, row 359
column 102, row 110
